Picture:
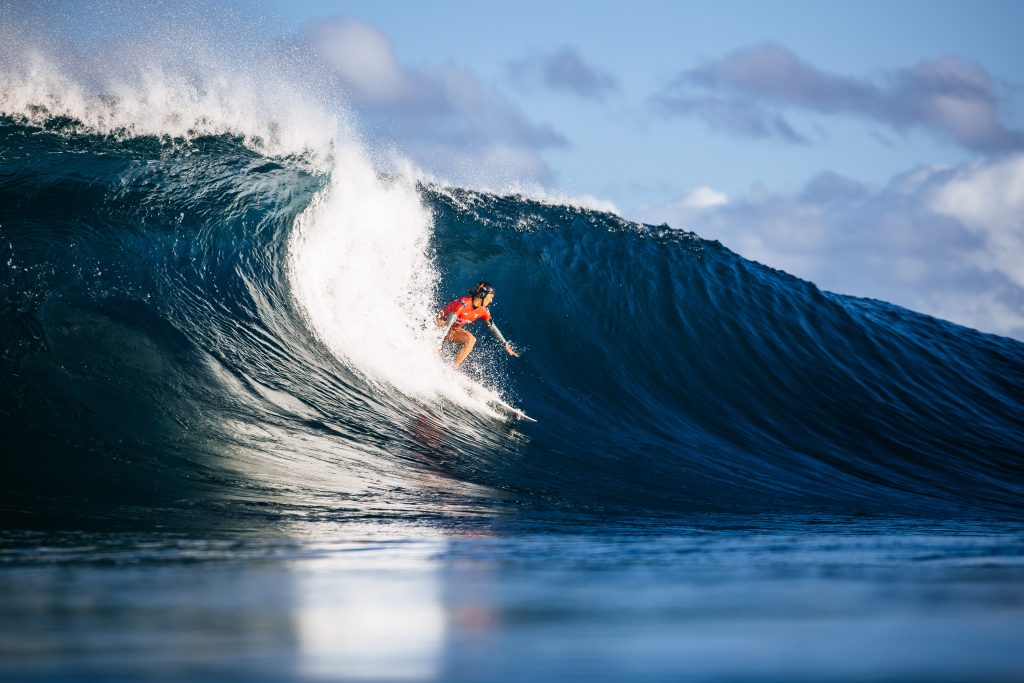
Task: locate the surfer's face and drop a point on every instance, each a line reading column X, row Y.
column 487, row 299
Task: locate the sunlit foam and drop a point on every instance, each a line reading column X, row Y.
column 360, row 266
column 165, row 86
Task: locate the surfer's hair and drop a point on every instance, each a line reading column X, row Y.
column 482, row 289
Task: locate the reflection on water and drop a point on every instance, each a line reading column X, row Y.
column 505, row 600
column 371, row 613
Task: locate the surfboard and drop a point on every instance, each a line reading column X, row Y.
column 491, row 398
column 510, row 412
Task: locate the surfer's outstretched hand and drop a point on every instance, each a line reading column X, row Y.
column 512, row 352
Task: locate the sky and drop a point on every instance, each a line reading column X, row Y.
column 874, row 148
column 612, row 80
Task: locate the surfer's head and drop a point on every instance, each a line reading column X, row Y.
column 484, row 291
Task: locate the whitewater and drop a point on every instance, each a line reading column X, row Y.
column 232, row 450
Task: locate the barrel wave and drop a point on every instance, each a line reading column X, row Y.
column 193, row 328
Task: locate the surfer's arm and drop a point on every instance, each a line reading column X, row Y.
column 501, row 338
column 446, row 323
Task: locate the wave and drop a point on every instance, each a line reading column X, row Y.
column 193, row 326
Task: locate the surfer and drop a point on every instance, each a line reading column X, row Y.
column 461, row 312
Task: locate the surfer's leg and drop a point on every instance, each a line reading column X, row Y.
column 463, row 339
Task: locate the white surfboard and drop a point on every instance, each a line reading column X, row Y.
column 508, row 411
column 494, row 401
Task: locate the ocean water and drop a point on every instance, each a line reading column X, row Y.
column 232, row 451
column 705, row 597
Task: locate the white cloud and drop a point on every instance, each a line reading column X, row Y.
column 489, row 167
column 705, row 197
column 944, row 241
column 363, row 57
column 988, row 199
column 450, row 122
column 685, row 208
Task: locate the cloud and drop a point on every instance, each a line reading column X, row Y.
column 364, row 60
column 562, row 71
column 684, row 209
column 749, row 92
column 705, row 197
column 493, row 167
column 944, row 241
column 988, row 200
column 443, row 116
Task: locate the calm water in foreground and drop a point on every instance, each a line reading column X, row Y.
column 709, row 598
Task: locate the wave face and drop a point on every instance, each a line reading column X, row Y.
column 190, row 327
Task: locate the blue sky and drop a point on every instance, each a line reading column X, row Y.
column 620, row 149
column 874, row 148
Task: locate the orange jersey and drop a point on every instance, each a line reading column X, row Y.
column 465, row 313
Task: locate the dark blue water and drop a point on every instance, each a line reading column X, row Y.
column 148, row 320
column 734, row 476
